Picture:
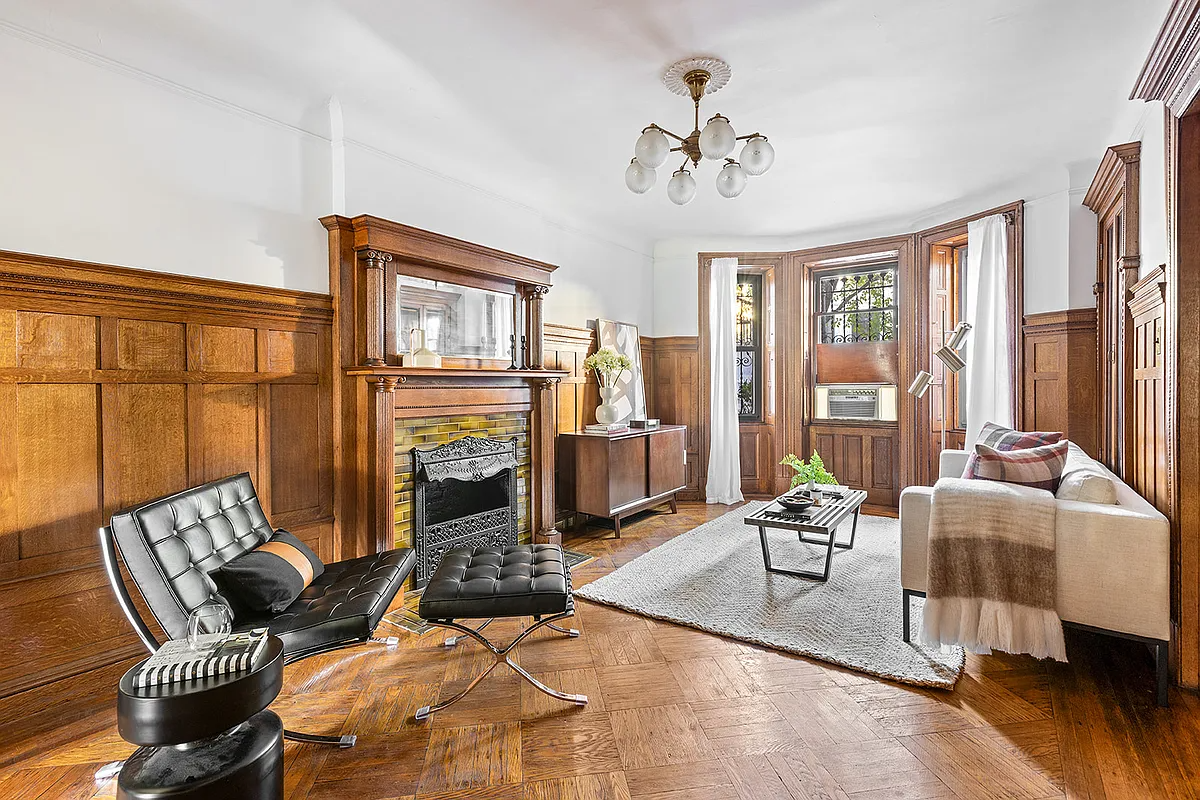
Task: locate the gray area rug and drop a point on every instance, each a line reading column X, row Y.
column 712, row 578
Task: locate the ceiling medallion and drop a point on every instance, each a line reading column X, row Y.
column 696, row 77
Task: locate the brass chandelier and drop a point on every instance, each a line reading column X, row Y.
column 696, row 77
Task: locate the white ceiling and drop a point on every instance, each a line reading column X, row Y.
column 878, row 109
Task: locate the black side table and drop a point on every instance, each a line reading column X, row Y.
column 204, row 738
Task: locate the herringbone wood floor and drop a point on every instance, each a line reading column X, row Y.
column 678, row 714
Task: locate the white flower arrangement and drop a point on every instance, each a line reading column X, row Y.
column 608, row 364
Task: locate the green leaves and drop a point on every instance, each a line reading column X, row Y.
column 814, row 470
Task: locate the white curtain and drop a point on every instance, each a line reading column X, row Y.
column 724, row 459
column 989, row 371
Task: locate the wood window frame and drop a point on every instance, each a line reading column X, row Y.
column 792, row 308
column 888, row 265
column 758, row 347
column 765, row 479
column 920, row 455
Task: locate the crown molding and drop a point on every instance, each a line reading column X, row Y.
column 1171, row 72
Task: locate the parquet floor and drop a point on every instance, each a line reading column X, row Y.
column 677, row 714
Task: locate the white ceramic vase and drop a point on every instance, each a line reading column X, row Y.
column 606, row 412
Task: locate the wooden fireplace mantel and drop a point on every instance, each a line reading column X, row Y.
column 366, row 254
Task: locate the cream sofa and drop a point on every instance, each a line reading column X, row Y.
column 1113, row 560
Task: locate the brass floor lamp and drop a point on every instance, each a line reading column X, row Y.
column 951, row 356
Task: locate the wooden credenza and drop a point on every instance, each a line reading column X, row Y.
column 615, row 476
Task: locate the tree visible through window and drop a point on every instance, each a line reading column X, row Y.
column 749, row 345
column 857, row 306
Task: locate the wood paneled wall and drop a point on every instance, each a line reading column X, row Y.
column 676, row 399
column 577, row 395
column 1060, row 374
column 117, row 386
column 861, row 457
column 1148, row 455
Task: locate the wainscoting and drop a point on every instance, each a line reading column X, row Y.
column 1060, row 374
column 676, row 400
column 1148, row 455
column 117, row 386
column 861, row 457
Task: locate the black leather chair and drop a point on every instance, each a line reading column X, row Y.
column 170, row 545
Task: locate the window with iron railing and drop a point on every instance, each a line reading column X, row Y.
column 748, row 341
column 857, row 306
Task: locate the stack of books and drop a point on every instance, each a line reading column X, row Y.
column 175, row 661
column 607, row 430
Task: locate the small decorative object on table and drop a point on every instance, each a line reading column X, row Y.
column 607, row 430
column 177, row 660
column 609, row 366
column 208, row 626
column 418, row 354
column 643, row 423
column 809, row 474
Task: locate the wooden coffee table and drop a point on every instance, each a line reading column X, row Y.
column 820, row 521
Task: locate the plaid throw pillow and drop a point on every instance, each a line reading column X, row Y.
column 999, row 437
column 1039, row 467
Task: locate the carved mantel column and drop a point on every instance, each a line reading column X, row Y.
column 536, row 342
column 544, row 429
column 381, row 436
column 375, row 262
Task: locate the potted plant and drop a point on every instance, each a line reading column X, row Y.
column 609, row 366
column 809, row 474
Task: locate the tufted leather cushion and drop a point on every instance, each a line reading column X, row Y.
column 346, row 602
column 170, row 546
column 517, row 581
column 172, row 543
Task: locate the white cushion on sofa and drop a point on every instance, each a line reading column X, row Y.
column 1087, row 486
column 1084, row 480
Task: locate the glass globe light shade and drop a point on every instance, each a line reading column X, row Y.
column 652, row 148
column 681, row 188
column 717, row 140
column 731, row 180
column 638, row 178
column 757, row 156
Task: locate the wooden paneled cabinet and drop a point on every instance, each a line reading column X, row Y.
column 615, row 476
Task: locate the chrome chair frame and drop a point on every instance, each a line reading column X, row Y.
column 108, row 550
column 502, row 657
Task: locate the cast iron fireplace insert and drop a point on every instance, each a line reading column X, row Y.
column 464, row 495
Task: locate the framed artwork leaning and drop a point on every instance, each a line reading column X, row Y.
column 630, row 397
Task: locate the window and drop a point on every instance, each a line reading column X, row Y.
column 858, row 306
column 748, row 339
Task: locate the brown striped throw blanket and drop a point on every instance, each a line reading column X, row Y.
column 992, row 574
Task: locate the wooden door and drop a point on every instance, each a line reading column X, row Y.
column 1110, row 310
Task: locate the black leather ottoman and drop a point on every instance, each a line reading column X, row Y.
column 530, row 580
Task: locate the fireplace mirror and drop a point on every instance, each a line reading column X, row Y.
column 459, row 321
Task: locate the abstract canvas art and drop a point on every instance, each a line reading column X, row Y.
column 631, row 390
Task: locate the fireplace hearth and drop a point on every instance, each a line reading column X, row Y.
column 464, row 495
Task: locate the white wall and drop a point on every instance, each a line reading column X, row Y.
column 106, row 164
column 597, row 275
column 1047, row 248
column 1151, row 132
